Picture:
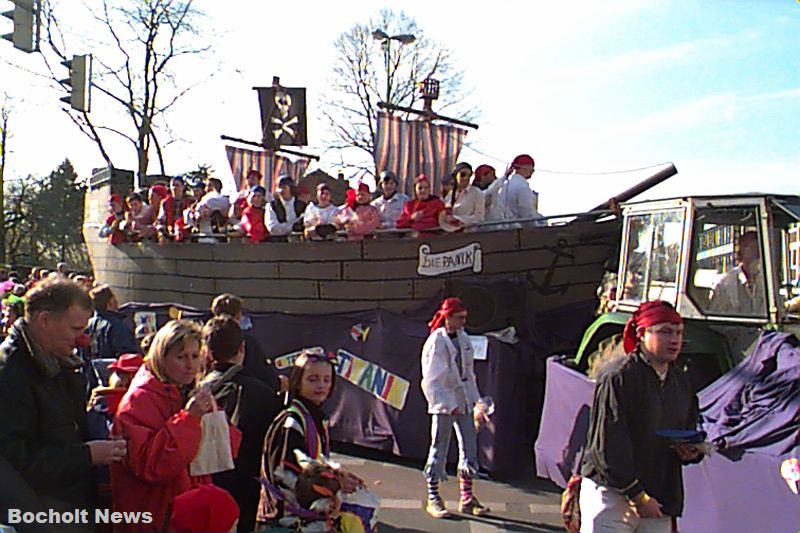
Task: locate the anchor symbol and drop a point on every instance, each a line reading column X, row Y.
column 547, row 288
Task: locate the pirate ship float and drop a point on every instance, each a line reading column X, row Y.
column 550, row 266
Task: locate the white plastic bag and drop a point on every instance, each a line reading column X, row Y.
column 214, row 454
column 359, row 511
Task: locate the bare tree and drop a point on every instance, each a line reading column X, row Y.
column 135, row 70
column 368, row 69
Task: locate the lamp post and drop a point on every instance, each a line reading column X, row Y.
column 386, row 40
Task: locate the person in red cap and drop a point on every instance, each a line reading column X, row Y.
column 631, row 476
column 449, row 386
column 112, row 227
column 512, row 197
column 204, row 509
column 484, row 176
column 422, row 213
column 253, row 223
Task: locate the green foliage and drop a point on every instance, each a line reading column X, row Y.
column 44, row 219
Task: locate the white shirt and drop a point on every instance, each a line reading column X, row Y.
column 512, row 198
column 391, row 209
column 316, row 215
column 470, row 205
column 442, row 382
column 276, row 227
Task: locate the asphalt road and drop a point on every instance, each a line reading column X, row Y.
column 526, row 504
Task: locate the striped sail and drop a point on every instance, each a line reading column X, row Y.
column 271, row 166
column 413, row 147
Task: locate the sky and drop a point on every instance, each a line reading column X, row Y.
column 587, row 88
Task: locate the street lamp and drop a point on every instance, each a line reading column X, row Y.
column 386, row 40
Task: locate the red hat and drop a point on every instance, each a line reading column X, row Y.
column 483, row 169
column 115, row 199
column 522, row 160
column 204, row 509
column 362, row 187
column 160, row 190
column 421, row 178
column 448, row 307
column 127, row 363
column 253, row 172
column 646, row 315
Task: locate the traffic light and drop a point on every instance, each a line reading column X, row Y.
column 80, row 80
column 26, row 17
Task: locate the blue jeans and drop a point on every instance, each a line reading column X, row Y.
column 441, row 429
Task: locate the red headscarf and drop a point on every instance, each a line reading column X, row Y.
column 646, row 315
column 350, row 199
column 450, row 306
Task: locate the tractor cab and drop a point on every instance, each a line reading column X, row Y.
column 729, row 265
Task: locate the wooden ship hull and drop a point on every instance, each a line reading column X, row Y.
column 557, row 265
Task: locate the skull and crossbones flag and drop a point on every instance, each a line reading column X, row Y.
column 283, row 116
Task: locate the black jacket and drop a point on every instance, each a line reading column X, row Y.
column 280, row 212
column 111, row 336
column 255, row 408
column 623, row 451
column 43, row 427
column 256, row 363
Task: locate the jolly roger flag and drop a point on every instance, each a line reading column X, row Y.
column 283, row 116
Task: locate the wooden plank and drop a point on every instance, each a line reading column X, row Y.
column 171, row 282
column 408, row 248
column 329, row 270
column 269, row 288
column 365, row 290
column 425, row 288
column 145, row 265
column 373, row 270
column 248, row 270
column 299, row 251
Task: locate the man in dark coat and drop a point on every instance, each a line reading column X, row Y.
column 111, row 336
column 254, row 359
column 251, row 406
column 43, row 425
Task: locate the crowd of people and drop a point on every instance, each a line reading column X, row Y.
column 170, row 427
column 466, row 200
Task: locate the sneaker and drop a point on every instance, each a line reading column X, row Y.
column 436, row 509
column 473, row 507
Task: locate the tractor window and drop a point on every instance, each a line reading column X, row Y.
column 652, row 256
column 727, row 274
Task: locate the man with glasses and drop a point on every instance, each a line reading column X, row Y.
column 632, row 477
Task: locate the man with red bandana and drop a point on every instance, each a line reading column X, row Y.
column 449, row 386
column 116, row 217
column 632, row 479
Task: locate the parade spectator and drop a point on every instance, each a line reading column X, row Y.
column 285, row 212
column 13, row 308
column 254, row 359
column 632, row 478
column 204, row 509
column 253, row 225
column 319, row 218
column 449, row 386
column 171, row 224
column 358, row 217
column 422, row 213
column 512, row 197
column 301, row 426
column 138, row 224
column 252, row 179
column 113, row 225
column 465, row 204
column 159, row 418
column 43, row 424
column 303, row 194
column 390, row 203
column 110, row 335
column 484, row 176
column 250, row 404
column 62, row 269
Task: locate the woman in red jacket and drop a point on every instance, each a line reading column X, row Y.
column 253, row 216
column 161, row 425
column 422, row 213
